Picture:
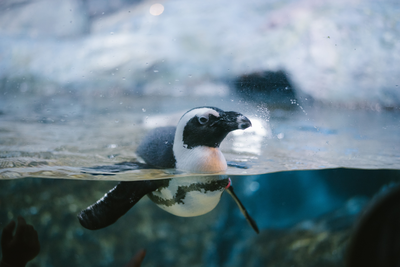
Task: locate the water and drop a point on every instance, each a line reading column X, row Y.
column 292, row 185
column 56, row 137
column 305, row 218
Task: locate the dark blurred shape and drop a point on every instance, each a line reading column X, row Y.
column 376, row 238
column 271, row 87
column 19, row 248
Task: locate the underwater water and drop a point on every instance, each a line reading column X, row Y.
column 305, row 219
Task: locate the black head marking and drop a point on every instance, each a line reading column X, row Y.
column 210, row 130
column 197, row 134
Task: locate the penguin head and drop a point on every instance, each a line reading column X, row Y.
column 199, row 134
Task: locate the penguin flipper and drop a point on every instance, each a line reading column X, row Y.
column 115, row 203
column 250, row 220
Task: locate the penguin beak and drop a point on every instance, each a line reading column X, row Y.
column 232, row 120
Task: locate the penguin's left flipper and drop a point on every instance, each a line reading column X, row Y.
column 116, row 203
column 250, row 220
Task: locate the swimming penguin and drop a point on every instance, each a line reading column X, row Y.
column 192, row 146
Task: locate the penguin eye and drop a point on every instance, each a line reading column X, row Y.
column 203, row 120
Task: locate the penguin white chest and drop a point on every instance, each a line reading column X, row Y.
column 187, row 197
column 200, row 159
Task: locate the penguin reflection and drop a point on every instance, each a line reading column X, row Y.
column 192, row 146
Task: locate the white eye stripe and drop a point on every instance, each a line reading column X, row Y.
column 199, row 112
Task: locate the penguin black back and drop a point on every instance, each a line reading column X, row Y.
column 156, row 147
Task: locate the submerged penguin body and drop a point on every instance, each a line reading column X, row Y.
column 190, row 196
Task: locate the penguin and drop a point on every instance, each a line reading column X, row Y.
column 192, row 146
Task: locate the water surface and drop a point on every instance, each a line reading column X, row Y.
column 56, row 137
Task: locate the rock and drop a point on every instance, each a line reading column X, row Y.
column 271, row 87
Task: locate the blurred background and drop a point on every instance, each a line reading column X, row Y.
column 336, row 52
column 82, row 81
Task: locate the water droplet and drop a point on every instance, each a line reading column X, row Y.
column 155, row 70
column 123, row 78
column 143, row 109
column 190, row 76
column 116, row 121
column 111, row 33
